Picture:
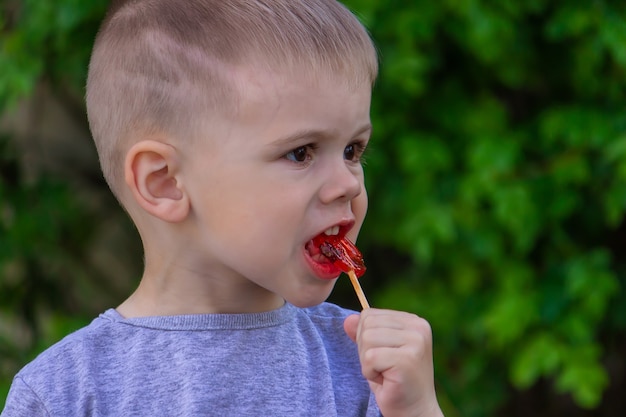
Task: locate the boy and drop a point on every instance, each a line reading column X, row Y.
column 231, row 132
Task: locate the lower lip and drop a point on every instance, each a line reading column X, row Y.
column 325, row 271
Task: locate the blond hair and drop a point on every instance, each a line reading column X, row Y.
column 161, row 66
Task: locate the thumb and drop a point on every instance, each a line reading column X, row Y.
column 351, row 325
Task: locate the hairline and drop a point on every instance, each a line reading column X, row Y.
column 354, row 70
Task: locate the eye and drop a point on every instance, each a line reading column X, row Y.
column 353, row 152
column 300, row 154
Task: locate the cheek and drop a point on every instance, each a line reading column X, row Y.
column 359, row 208
column 263, row 219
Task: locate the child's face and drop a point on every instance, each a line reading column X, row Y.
column 281, row 171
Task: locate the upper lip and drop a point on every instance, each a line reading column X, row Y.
column 344, row 227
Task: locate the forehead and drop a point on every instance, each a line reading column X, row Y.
column 266, row 92
column 278, row 110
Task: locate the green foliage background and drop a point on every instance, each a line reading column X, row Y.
column 497, row 179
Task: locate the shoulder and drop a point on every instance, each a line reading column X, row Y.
column 70, row 355
column 327, row 320
column 327, row 316
column 56, row 377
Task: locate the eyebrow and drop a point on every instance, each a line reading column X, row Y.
column 315, row 134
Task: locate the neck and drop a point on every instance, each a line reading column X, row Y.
column 172, row 291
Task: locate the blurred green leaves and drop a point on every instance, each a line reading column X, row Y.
column 43, row 233
column 45, row 40
column 46, row 223
column 499, row 137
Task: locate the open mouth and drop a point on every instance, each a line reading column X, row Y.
column 317, row 247
column 332, row 247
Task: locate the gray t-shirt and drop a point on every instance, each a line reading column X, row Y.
column 286, row 362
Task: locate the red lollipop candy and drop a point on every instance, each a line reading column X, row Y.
column 343, row 254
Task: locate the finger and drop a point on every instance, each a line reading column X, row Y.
column 411, row 344
column 385, row 337
column 378, row 361
column 412, row 339
column 389, row 336
column 351, row 326
column 393, row 320
column 393, row 363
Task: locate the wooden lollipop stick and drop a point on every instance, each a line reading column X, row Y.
column 358, row 289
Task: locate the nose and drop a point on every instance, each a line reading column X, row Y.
column 341, row 183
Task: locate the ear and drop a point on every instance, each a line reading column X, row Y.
column 152, row 173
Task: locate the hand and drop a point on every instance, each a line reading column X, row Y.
column 395, row 349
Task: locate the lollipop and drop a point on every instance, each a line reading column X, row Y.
column 345, row 256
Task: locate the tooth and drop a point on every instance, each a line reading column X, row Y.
column 332, row 231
